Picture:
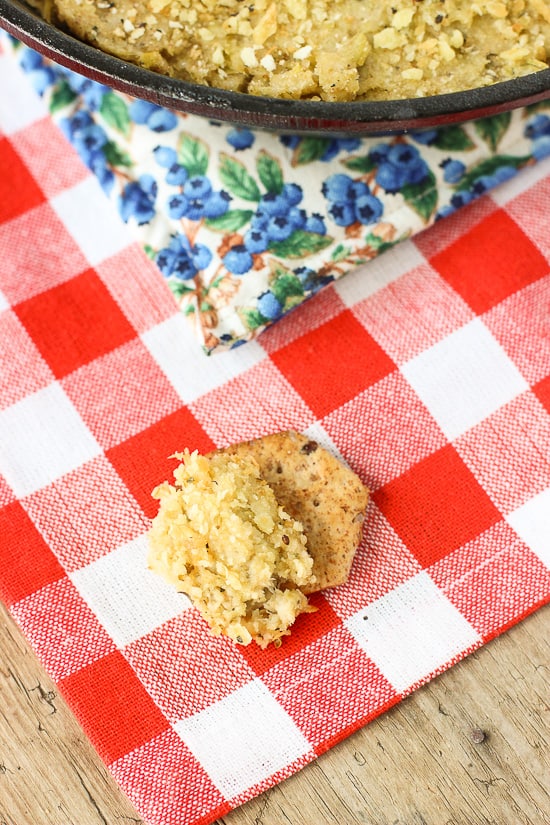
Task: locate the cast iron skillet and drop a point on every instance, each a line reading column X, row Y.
column 295, row 116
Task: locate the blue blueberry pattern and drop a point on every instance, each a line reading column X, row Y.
column 225, row 212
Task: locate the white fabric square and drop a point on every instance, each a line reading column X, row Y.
column 464, row 378
column 171, row 343
column 531, row 522
column 3, row 302
column 243, row 739
column 30, row 107
column 42, row 437
column 412, row 631
column 378, row 273
column 128, row 599
column 92, row 220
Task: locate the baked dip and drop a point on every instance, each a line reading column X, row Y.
column 320, row 49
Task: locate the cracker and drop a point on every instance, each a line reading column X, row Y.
column 316, row 489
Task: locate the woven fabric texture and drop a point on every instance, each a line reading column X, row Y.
column 427, row 371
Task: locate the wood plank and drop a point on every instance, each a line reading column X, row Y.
column 422, row 763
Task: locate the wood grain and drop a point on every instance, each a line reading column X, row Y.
column 469, row 748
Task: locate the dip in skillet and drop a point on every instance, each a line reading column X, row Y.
column 329, row 50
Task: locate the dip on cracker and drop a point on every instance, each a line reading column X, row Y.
column 324, row 495
column 222, row 538
column 246, row 532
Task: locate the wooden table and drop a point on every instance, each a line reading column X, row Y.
column 470, row 748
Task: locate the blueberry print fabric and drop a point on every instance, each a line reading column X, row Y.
column 246, row 226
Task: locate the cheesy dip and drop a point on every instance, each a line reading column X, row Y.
column 221, row 537
column 333, row 50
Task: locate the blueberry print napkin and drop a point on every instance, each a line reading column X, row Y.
column 246, row 226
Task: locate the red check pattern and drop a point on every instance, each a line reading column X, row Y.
column 431, row 380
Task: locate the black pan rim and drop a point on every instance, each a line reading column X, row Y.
column 358, row 117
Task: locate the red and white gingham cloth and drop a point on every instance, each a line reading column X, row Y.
column 428, row 371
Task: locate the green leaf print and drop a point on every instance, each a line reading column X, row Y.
column 252, row 318
column 422, row 197
column 454, row 139
column 340, row 253
column 61, row 97
column 115, row 155
column 193, row 155
column 309, row 149
column 114, row 112
column 492, row 129
column 488, row 167
column 180, row 288
column 237, row 179
column 287, row 287
column 270, row 173
column 379, row 244
column 232, row 221
column 360, row 163
column 300, row 244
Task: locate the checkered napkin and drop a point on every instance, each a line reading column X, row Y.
column 430, row 376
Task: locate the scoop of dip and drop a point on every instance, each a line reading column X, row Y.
column 221, row 537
